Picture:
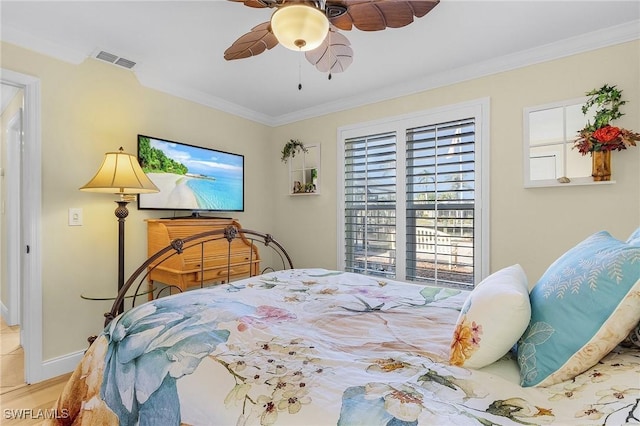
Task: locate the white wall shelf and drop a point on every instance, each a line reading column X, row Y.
column 574, row 182
column 304, row 172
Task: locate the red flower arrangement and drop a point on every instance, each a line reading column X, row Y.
column 607, row 138
column 601, row 136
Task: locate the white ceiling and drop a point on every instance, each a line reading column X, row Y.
column 178, row 47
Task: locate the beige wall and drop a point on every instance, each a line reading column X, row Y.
column 528, row 226
column 87, row 110
column 92, row 108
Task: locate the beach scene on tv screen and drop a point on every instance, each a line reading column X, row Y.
column 189, row 177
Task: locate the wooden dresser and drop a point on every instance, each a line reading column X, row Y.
column 201, row 264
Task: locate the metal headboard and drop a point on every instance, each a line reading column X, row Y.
column 276, row 258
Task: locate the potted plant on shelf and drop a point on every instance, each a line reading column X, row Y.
column 291, row 148
column 600, row 137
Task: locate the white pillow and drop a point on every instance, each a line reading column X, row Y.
column 493, row 318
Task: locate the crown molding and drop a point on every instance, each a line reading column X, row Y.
column 591, row 41
column 150, row 81
column 49, row 48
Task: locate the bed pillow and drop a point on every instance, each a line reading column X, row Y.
column 492, row 319
column 583, row 306
column 634, row 239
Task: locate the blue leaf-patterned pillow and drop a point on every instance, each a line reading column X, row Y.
column 583, row 306
column 634, row 238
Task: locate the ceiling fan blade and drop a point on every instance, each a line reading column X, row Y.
column 334, row 55
column 252, row 43
column 376, row 15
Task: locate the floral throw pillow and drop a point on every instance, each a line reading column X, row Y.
column 492, row 319
column 583, row 306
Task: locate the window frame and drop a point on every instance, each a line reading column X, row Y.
column 479, row 110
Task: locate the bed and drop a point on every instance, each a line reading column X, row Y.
column 324, row 347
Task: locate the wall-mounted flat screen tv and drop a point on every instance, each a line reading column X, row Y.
column 190, row 178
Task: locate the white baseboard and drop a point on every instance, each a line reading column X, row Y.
column 53, row 367
column 57, row 366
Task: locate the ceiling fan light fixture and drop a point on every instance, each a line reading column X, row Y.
column 299, row 27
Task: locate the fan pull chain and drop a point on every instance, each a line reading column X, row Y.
column 329, row 44
column 300, row 71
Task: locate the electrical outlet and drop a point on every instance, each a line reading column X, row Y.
column 75, row 217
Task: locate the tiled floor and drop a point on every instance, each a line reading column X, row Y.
column 11, row 358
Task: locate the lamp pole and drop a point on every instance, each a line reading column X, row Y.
column 121, row 213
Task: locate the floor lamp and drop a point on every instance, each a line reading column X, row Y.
column 121, row 174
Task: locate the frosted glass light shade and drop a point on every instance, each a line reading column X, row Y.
column 120, row 173
column 299, row 27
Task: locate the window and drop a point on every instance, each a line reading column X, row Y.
column 549, row 134
column 370, row 204
column 441, row 202
column 411, row 197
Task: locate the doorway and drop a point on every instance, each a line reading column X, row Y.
column 21, row 215
column 11, row 350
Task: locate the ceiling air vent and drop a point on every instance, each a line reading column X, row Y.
column 115, row 59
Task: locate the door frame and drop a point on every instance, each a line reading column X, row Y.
column 31, row 212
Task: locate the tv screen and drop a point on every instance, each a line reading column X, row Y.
column 190, row 177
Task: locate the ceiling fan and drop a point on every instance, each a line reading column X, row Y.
column 312, row 27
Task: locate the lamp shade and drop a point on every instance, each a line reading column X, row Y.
column 299, row 27
column 120, row 173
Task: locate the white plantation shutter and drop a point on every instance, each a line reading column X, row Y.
column 370, row 204
column 440, row 176
column 411, row 197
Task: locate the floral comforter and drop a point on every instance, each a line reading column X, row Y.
column 319, row 347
